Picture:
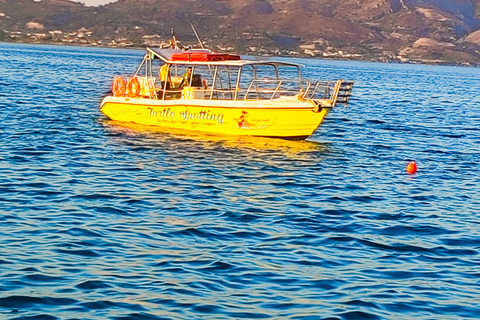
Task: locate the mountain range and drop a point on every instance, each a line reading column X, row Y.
column 427, row 31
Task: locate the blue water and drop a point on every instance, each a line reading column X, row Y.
column 102, row 220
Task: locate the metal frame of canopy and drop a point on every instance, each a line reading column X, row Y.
column 233, row 91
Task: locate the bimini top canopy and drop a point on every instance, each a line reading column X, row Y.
column 207, row 57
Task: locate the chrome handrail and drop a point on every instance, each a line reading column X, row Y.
column 336, row 91
column 274, row 92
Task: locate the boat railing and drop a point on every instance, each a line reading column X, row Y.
column 336, row 91
column 190, row 93
column 307, row 86
column 269, row 89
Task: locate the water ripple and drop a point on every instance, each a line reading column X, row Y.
column 106, row 220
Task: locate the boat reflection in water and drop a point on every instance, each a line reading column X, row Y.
column 169, row 136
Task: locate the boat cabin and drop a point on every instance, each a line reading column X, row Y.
column 167, row 74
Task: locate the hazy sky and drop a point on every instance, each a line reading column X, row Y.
column 94, row 2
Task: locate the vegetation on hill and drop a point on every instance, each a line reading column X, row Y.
column 431, row 31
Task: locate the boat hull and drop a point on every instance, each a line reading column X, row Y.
column 285, row 117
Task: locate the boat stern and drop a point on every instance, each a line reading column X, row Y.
column 327, row 94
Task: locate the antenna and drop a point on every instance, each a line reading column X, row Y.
column 201, row 44
column 196, row 35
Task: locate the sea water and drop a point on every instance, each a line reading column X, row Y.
column 103, row 220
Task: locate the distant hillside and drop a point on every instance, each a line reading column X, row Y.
column 430, row 31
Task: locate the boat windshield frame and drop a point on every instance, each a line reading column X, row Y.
column 236, row 66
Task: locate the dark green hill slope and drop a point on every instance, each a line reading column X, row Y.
column 443, row 31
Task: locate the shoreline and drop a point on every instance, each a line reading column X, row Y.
column 426, row 62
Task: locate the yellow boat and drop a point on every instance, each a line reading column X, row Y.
column 223, row 94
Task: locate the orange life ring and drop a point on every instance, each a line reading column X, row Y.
column 119, row 87
column 133, row 87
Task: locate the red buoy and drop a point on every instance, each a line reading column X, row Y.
column 412, row 167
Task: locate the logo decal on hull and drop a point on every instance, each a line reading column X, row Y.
column 247, row 122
